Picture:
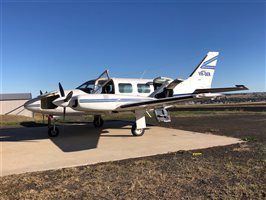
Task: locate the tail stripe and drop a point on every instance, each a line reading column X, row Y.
column 206, row 65
column 210, row 60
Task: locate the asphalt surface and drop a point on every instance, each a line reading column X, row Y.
column 30, row 149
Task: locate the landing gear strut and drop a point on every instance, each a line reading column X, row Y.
column 53, row 131
column 98, row 121
column 138, row 128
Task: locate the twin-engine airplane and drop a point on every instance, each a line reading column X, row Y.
column 106, row 95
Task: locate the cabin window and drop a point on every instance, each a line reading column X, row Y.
column 144, row 88
column 125, row 88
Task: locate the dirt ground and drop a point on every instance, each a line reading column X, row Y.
column 231, row 172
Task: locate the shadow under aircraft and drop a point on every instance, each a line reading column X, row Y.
column 74, row 137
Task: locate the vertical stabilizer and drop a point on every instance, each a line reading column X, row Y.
column 202, row 76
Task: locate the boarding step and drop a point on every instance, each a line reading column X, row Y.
column 162, row 115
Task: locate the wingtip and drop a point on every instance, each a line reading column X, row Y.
column 242, row 87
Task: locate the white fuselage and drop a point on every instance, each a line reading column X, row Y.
column 125, row 91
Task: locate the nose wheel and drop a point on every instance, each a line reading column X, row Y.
column 98, row 121
column 53, row 131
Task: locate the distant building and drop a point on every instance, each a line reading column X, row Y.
column 12, row 104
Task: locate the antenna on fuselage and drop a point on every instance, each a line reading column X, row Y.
column 143, row 73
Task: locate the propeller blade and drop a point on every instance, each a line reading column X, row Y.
column 41, row 92
column 69, row 96
column 62, row 92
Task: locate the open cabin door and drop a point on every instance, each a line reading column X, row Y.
column 104, row 84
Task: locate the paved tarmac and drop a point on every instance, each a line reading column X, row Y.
column 30, row 149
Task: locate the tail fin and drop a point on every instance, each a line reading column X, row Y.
column 202, row 76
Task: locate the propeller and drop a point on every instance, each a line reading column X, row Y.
column 63, row 101
column 69, row 96
column 45, row 94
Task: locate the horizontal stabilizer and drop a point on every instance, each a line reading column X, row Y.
column 215, row 90
column 174, row 83
column 166, row 86
column 160, row 89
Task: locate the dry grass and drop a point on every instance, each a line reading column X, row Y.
column 219, row 173
column 16, row 120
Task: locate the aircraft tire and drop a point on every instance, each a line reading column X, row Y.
column 98, row 122
column 137, row 132
column 53, row 132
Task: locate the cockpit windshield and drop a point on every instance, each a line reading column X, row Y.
column 93, row 86
column 88, row 86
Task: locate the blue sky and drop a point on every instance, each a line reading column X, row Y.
column 46, row 42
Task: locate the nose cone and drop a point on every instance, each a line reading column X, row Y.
column 33, row 105
column 27, row 104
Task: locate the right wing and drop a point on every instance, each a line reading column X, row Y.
column 199, row 94
column 156, row 103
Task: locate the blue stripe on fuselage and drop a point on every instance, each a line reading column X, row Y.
column 111, row 100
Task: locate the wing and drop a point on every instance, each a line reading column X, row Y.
column 157, row 103
column 199, row 94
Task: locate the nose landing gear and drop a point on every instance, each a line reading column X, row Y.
column 53, row 131
column 98, row 121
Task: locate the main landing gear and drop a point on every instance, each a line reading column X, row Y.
column 138, row 128
column 137, row 131
column 53, row 131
